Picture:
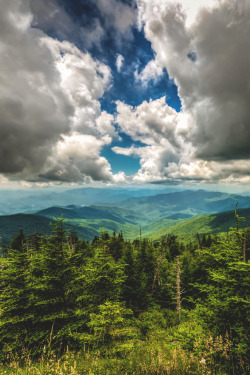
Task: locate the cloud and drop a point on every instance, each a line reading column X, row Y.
column 51, row 15
column 159, row 129
column 34, row 110
column 152, row 72
column 77, row 159
column 49, row 102
column 165, row 153
column 118, row 15
column 52, row 125
column 213, row 86
column 119, row 62
column 152, row 122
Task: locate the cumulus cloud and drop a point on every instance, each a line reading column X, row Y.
column 152, row 72
column 34, row 110
column 151, row 122
column 50, row 112
column 213, row 85
column 159, row 129
column 77, row 158
column 52, row 125
column 165, row 153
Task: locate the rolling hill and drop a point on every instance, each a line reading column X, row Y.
column 119, row 215
column 203, row 224
column 180, row 213
column 99, row 218
column 30, row 223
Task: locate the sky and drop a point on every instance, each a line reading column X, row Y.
column 124, row 92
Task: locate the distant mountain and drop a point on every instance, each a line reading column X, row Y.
column 19, row 201
column 98, row 217
column 156, row 215
column 120, row 215
column 187, row 202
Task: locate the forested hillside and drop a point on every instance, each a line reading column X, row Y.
column 113, row 306
column 31, row 223
column 88, row 221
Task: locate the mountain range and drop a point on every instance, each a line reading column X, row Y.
column 181, row 213
column 18, row 201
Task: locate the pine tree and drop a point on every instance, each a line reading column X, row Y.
column 16, row 312
column 131, row 285
column 51, row 288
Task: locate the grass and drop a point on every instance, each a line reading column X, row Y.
column 158, row 354
column 153, row 362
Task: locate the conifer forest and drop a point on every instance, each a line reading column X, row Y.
column 112, row 306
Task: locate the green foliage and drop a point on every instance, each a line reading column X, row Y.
column 117, row 300
column 111, row 330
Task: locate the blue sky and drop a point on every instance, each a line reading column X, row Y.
column 124, row 92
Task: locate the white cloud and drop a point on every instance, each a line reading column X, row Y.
column 119, row 62
column 152, row 72
column 160, row 130
column 152, row 123
column 165, row 153
column 77, row 159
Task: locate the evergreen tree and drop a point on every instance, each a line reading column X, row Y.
column 131, row 285
column 16, row 312
column 51, row 288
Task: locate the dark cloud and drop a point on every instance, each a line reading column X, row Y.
column 90, row 24
column 51, row 123
column 34, row 109
column 216, row 88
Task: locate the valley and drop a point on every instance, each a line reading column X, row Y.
column 183, row 213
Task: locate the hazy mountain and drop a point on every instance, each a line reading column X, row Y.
column 120, row 215
column 187, row 202
column 156, row 215
column 17, row 201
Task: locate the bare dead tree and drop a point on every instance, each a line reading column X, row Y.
column 158, row 267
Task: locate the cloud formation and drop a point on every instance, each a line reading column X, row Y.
column 77, row 158
column 152, row 72
column 52, row 126
column 213, row 86
column 118, row 15
column 50, row 110
column 109, row 17
column 159, row 128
